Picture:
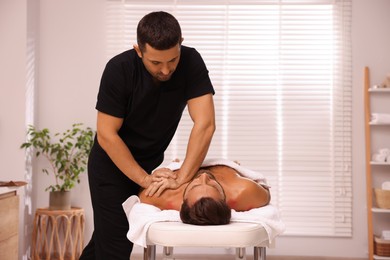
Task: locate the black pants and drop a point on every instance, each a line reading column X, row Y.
column 109, row 189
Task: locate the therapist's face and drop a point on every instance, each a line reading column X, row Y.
column 161, row 64
column 202, row 185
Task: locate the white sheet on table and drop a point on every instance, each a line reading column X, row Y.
column 142, row 215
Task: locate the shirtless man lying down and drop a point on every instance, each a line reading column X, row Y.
column 209, row 197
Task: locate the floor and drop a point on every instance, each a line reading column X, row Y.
column 231, row 257
column 189, row 257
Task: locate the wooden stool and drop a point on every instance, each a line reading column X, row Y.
column 58, row 234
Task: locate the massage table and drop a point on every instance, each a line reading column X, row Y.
column 238, row 235
column 151, row 226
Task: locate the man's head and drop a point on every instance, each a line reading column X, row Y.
column 160, row 30
column 159, row 39
column 204, row 201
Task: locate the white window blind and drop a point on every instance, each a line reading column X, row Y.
column 282, row 75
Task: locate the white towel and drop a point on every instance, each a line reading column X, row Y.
column 384, row 151
column 267, row 216
column 386, row 185
column 383, row 155
column 248, row 173
column 377, row 157
column 142, row 215
column 380, row 118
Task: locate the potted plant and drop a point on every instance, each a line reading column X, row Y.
column 67, row 154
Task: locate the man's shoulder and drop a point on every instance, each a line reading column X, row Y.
column 187, row 48
column 126, row 56
column 124, row 62
column 222, row 171
column 169, row 199
column 189, row 52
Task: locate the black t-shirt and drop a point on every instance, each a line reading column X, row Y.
column 151, row 112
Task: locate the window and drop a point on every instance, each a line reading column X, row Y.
column 282, row 75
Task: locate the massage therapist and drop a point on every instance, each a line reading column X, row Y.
column 143, row 92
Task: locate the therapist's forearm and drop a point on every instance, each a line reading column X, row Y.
column 198, row 145
column 119, row 153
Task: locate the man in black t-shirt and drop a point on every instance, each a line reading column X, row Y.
column 142, row 95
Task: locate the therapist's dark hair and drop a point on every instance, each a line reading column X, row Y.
column 205, row 211
column 160, row 30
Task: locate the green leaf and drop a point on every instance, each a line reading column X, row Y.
column 67, row 155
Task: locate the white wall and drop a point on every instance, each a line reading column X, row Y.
column 13, row 26
column 69, row 56
column 12, row 84
column 71, row 59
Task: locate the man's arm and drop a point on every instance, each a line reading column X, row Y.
column 108, row 138
column 201, row 110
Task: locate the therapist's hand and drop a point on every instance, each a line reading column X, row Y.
column 157, row 187
column 162, row 179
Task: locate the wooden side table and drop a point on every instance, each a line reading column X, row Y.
column 58, row 234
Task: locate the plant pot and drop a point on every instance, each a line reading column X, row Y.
column 59, row 200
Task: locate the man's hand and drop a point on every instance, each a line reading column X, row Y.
column 161, row 179
column 157, row 187
column 165, row 173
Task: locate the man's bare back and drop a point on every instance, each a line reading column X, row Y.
column 241, row 193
